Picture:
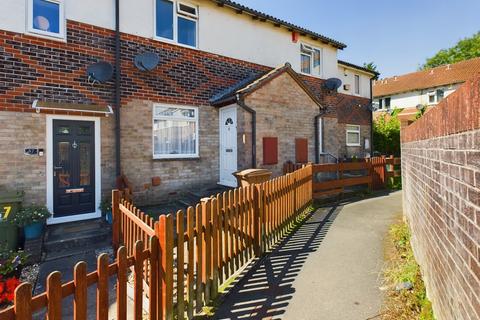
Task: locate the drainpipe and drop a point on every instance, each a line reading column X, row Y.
column 371, row 118
column 317, row 133
column 242, row 104
column 317, row 140
column 118, row 94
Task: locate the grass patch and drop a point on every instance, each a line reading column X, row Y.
column 401, row 267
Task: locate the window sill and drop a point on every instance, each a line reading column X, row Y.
column 311, row 75
column 195, row 158
column 59, row 38
column 354, row 145
column 173, row 42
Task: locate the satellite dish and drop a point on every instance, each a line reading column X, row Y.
column 146, row 61
column 100, row 71
column 419, row 106
column 333, row 84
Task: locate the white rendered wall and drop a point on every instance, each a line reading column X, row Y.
column 347, row 75
column 413, row 98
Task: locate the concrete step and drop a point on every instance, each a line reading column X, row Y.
column 63, row 239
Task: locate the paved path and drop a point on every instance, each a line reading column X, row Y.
column 329, row 269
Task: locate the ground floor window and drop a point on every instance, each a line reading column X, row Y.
column 175, row 132
column 353, row 135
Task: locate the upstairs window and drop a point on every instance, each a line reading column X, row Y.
column 310, row 59
column 440, row 95
column 357, row 84
column 46, row 17
column 387, row 102
column 176, row 21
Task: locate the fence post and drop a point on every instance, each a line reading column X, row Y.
column 116, row 219
column 257, row 220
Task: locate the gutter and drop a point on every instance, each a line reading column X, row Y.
column 242, row 104
column 118, row 94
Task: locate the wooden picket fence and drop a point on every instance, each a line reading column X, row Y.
column 187, row 258
column 51, row 300
column 376, row 173
column 338, row 185
column 209, row 243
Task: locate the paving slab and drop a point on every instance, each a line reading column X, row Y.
column 330, row 268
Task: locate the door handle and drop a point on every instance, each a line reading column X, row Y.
column 57, row 168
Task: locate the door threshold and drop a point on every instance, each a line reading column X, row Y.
column 73, row 218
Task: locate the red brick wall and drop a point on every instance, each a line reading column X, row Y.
column 36, row 68
column 441, row 191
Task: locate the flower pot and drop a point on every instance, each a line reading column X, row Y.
column 34, row 230
column 108, row 217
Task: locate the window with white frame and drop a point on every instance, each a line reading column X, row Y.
column 310, row 60
column 440, row 95
column 175, row 132
column 357, row 84
column 176, row 21
column 353, row 135
column 431, row 98
column 46, row 17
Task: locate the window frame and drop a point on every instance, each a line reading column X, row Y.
column 307, row 47
column 176, row 14
column 389, row 99
column 356, row 88
column 196, row 155
column 438, row 99
column 356, row 131
column 434, row 95
column 62, row 25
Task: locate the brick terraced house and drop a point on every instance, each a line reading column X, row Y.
column 233, row 88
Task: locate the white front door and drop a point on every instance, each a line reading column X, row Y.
column 228, row 146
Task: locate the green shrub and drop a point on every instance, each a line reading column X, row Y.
column 386, row 134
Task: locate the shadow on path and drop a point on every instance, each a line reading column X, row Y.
column 265, row 289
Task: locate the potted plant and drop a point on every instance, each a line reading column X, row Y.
column 106, row 208
column 32, row 219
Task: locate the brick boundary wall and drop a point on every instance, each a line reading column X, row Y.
column 441, row 194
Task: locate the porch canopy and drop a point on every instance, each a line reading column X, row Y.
column 91, row 108
column 243, row 88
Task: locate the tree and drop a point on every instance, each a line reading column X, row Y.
column 465, row 49
column 386, row 134
column 372, row 67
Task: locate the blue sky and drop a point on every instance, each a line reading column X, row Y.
column 397, row 35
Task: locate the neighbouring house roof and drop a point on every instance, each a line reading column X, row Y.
column 291, row 27
column 252, row 83
column 354, row 66
column 435, row 77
